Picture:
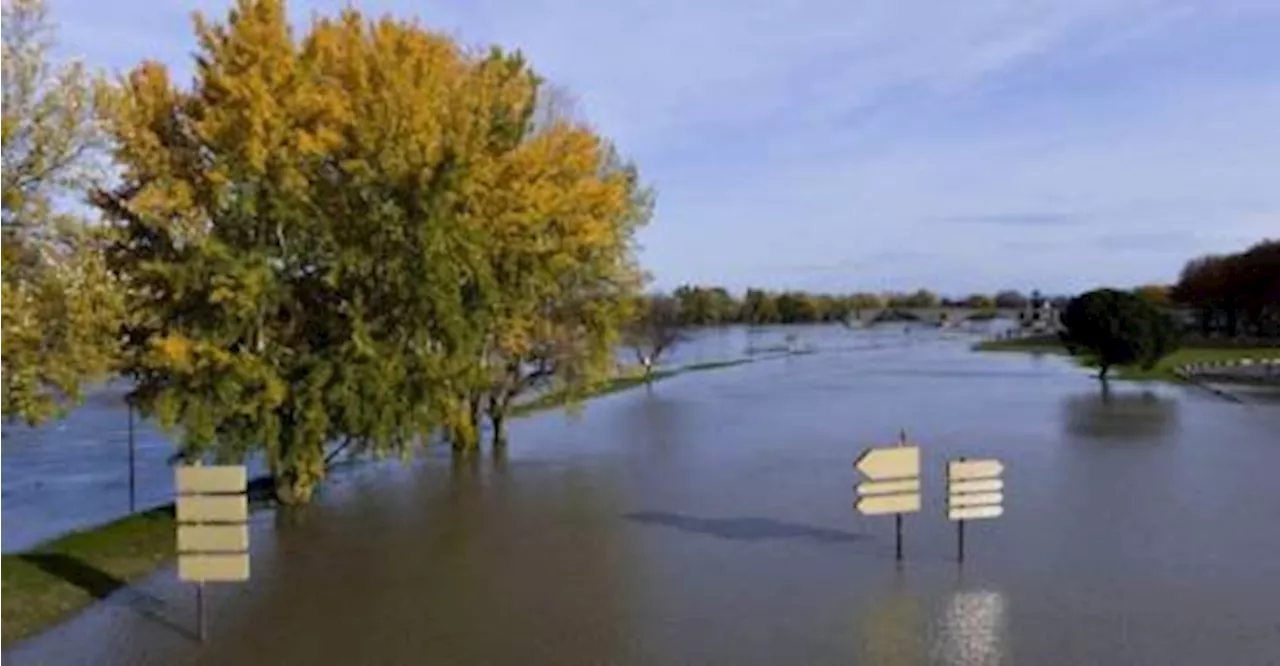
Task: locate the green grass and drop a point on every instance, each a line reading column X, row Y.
column 44, row 585
column 1163, row 371
column 1036, row 344
column 616, row 384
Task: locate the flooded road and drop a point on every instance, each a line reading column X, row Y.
column 709, row 520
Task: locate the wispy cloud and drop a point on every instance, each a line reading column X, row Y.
column 792, row 142
column 1017, row 219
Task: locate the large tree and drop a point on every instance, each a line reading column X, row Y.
column 60, row 306
column 308, row 234
column 1117, row 328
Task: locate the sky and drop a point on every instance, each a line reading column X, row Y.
column 842, row 145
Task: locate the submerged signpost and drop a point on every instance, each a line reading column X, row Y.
column 213, row 531
column 893, row 484
column 974, row 491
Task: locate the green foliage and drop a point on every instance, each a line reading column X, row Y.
column 1117, row 328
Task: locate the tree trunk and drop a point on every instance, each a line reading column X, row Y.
column 499, row 421
column 497, row 409
column 291, row 490
column 648, row 368
column 1102, row 374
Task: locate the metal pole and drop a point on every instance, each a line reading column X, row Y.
column 132, row 457
column 897, row 517
column 200, row 611
column 960, row 540
column 897, row 521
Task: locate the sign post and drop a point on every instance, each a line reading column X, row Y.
column 213, row 531
column 893, row 484
column 974, row 491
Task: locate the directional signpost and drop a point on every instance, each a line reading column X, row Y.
column 974, row 491
column 213, row 534
column 892, row 485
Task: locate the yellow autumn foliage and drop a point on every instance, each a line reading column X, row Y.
column 356, row 233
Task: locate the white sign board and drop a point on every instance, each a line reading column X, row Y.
column 213, row 512
column 974, row 489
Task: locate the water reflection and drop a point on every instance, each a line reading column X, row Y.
column 1109, row 414
column 972, row 629
column 654, row 420
column 891, row 629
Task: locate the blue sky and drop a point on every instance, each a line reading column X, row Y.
column 844, row 145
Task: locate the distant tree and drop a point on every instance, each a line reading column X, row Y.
column 759, row 307
column 921, row 298
column 1117, row 328
column 979, row 302
column 1010, row 299
column 706, row 306
column 1234, row 294
column 866, row 301
column 1155, row 294
column 655, row 330
column 796, row 307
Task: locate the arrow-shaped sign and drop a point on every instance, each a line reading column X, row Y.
column 890, row 462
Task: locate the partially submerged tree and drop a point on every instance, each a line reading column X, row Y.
column 350, row 236
column 1117, row 328
column 60, row 306
column 655, row 330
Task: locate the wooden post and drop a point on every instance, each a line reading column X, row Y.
column 960, row 540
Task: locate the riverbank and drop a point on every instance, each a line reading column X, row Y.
column 1166, row 370
column 45, row 584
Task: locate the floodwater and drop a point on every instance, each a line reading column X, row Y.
column 708, row 520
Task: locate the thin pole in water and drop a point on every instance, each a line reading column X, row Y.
column 897, row 521
column 132, row 457
column 897, row 517
column 960, row 540
column 200, row 611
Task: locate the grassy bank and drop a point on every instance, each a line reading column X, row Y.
column 1163, row 371
column 47, row 583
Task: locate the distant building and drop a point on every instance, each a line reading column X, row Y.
column 1039, row 316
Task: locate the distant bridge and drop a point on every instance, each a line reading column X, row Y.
column 936, row 316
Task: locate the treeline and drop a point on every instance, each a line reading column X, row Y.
column 710, row 306
column 1234, row 294
column 358, row 234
